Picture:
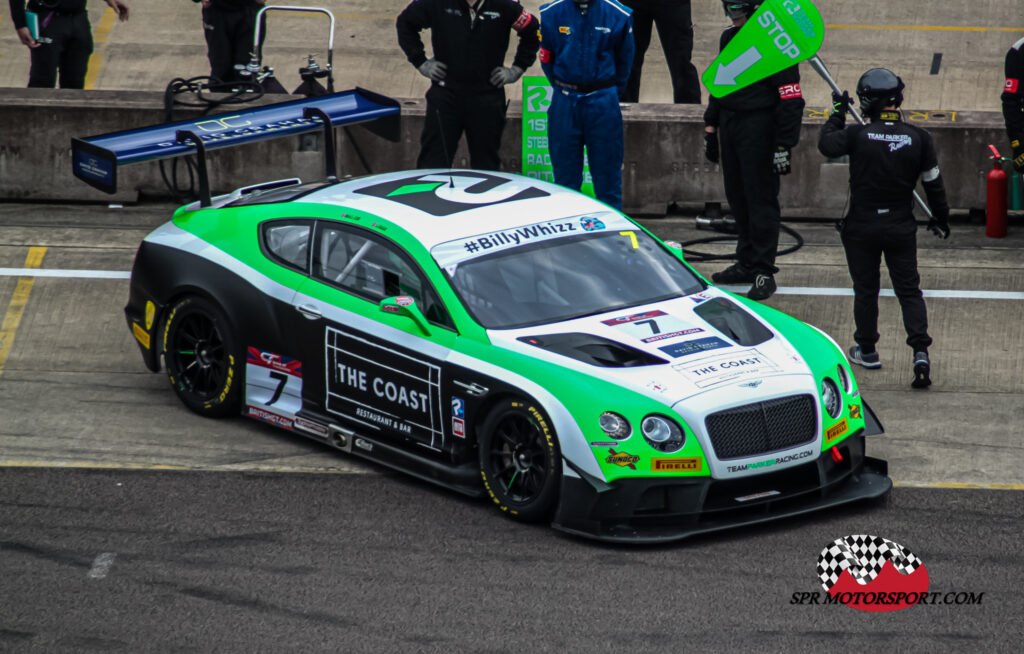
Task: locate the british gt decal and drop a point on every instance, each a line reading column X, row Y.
column 652, row 326
column 273, row 385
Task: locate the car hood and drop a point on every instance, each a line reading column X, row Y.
column 699, row 355
column 667, row 350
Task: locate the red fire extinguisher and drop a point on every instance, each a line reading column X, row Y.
column 997, row 184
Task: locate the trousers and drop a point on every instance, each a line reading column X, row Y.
column 450, row 112
column 67, row 52
column 864, row 253
column 592, row 120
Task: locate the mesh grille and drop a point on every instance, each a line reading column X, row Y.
column 762, row 427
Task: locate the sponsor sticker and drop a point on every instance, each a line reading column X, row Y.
column 855, row 411
column 150, row 314
column 836, row 430
column 767, row 463
column 758, row 496
column 141, row 335
column 383, row 388
column 622, row 459
column 712, row 370
column 686, row 348
column 688, row 464
column 404, row 301
column 270, row 417
column 454, row 252
column 311, row 427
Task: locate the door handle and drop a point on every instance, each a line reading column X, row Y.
column 309, row 311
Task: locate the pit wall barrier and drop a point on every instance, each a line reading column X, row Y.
column 664, row 153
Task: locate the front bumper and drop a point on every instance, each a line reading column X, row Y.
column 667, row 509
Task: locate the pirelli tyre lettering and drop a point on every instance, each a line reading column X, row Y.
column 202, row 360
column 519, row 460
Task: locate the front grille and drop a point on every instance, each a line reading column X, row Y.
column 762, row 427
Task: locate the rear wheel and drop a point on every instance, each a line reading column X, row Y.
column 202, row 361
column 519, row 460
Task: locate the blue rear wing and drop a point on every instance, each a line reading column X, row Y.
column 95, row 159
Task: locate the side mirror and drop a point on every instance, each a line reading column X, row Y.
column 403, row 305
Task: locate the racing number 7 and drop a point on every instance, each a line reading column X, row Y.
column 632, row 238
column 282, row 379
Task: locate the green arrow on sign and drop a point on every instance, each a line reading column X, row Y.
column 781, row 33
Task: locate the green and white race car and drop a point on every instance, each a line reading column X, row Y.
column 506, row 337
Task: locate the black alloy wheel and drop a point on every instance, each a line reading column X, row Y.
column 202, row 363
column 519, row 460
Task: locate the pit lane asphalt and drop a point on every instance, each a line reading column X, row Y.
column 226, row 555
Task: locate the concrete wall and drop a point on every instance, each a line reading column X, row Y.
column 664, row 161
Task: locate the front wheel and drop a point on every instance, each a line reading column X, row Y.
column 202, row 362
column 519, row 460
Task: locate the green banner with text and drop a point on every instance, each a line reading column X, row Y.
column 537, row 94
column 781, row 33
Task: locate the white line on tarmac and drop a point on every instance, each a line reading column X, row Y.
column 784, row 290
column 78, row 274
column 101, row 566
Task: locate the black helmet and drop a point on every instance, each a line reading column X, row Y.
column 740, row 8
column 879, row 88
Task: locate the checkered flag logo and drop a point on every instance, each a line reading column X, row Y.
column 864, row 557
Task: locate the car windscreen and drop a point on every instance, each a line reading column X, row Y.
column 569, row 277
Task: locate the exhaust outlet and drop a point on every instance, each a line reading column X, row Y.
column 341, row 438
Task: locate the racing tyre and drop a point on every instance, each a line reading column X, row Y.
column 202, row 361
column 519, row 460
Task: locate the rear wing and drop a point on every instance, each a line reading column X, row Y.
column 95, row 159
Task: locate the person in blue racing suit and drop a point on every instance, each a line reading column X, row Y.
column 587, row 54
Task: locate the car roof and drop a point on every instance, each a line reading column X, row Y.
column 441, row 205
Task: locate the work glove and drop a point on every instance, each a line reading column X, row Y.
column 1018, row 155
column 433, row 70
column 711, row 146
column 939, row 226
column 841, row 103
column 501, row 76
column 782, row 161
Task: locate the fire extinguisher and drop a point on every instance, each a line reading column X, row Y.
column 995, row 197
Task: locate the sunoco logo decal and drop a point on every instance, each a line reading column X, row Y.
column 870, row 573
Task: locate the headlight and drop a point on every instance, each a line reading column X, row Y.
column 615, row 426
column 830, row 395
column 844, row 378
column 662, row 434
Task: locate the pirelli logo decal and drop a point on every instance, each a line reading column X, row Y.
column 383, row 388
column 836, row 430
column 688, row 464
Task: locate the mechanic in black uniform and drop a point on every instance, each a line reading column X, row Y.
column 675, row 29
column 65, row 40
column 758, row 126
column 887, row 156
column 1013, row 103
column 469, row 39
column 229, row 26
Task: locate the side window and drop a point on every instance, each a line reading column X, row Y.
column 374, row 269
column 288, row 241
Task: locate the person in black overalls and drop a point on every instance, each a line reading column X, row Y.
column 759, row 125
column 887, row 156
column 469, row 39
column 675, row 29
column 229, row 27
column 64, row 41
column 1013, row 103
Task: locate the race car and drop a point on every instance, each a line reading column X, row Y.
column 503, row 337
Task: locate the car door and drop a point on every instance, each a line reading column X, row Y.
column 376, row 371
